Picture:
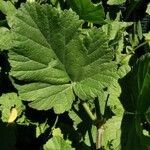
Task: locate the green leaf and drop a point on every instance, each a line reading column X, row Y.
column 41, row 128
column 88, row 11
column 110, row 138
column 7, row 101
column 57, row 143
column 148, row 9
column 90, row 135
column 135, row 99
column 5, row 39
column 114, row 92
column 55, row 60
column 132, row 134
column 115, row 29
column 45, row 96
column 112, row 133
column 147, row 37
column 57, row 132
column 31, row 1
column 136, row 87
column 40, row 55
column 113, row 100
column 99, row 71
column 75, row 114
column 8, row 9
column 115, row 2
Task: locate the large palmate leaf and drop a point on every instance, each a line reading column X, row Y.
column 55, row 60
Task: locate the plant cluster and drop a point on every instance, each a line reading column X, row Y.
column 75, row 75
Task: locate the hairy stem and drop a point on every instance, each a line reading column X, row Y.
column 100, row 130
column 142, row 44
column 87, row 109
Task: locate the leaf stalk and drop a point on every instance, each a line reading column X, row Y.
column 100, row 130
column 88, row 111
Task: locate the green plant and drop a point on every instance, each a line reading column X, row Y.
column 74, row 78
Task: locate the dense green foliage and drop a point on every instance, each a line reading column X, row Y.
column 75, row 75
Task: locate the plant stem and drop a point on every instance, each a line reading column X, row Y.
column 100, row 130
column 56, row 120
column 142, row 44
column 87, row 109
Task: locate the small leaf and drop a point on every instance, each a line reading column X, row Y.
column 57, row 132
column 31, row 1
column 41, row 128
column 57, row 143
column 11, row 107
column 115, row 2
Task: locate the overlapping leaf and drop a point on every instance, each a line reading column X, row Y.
column 88, row 11
column 54, row 60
